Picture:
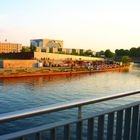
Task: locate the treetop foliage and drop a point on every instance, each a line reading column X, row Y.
column 133, row 52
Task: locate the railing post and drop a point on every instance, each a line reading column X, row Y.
column 79, row 130
column 110, row 126
column 90, row 133
column 67, row 132
column 138, row 137
column 134, row 127
column 79, row 124
column 22, row 138
column 80, row 112
column 38, row 136
column 53, row 134
column 119, row 124
column 127, row 124
column 100, row 132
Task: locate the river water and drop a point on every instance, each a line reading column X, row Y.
column 23, row 93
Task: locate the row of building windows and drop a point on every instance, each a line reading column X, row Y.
column 10, row 47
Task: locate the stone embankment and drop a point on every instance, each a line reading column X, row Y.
column 30, row 72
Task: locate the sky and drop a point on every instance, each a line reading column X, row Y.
column 87, row 24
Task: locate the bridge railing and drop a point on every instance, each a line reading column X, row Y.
column 118, row 123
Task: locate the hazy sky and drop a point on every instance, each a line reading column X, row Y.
column 94, row 24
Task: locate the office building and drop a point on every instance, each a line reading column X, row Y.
column 51, row 43
column 10, row 47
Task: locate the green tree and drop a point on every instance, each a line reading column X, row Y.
column 109, row 54
column 23, row 50
column 88, row 53
column 32, row 48
column 121, row 52
column 74, row 53
column 133, row 52
column 27, row 49
column 100, row 53
column 126, row 60
column 138, row 52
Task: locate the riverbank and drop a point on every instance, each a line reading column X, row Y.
column 10, row 73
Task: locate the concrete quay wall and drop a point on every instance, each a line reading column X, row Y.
column 18, row 63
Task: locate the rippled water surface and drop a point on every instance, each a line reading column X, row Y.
column 23, row 93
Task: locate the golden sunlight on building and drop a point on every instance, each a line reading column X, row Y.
column 10, row 47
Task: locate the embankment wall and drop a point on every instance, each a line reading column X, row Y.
column 19, row 63
column 53, row 56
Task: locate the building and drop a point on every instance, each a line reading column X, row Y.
column 82, row 51
column 47, row 45
column 43, row 49
column 51, row 43
column 62, row 50
column 56, row 46
column 71, row 51
column 10, row 47
column 68, row 50
column 53, row 50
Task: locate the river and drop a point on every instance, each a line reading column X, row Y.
column 23, row 93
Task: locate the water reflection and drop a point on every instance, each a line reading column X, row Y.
column 40, row 81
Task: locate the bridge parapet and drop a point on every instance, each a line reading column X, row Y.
column 117, row 123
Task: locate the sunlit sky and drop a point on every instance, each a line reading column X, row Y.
column 89, row 24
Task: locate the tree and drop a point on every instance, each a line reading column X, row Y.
column 27, row 49
column 88, row 53
column 32, row 48
column 138, row 52
column 23, row 50
column 133, row 52
column 74, row 53
column 121, row 52
column 126, row 60
column 100, row 54
column 109, row 54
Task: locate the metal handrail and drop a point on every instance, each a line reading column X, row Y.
column 60, row 106
column 64, row 123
